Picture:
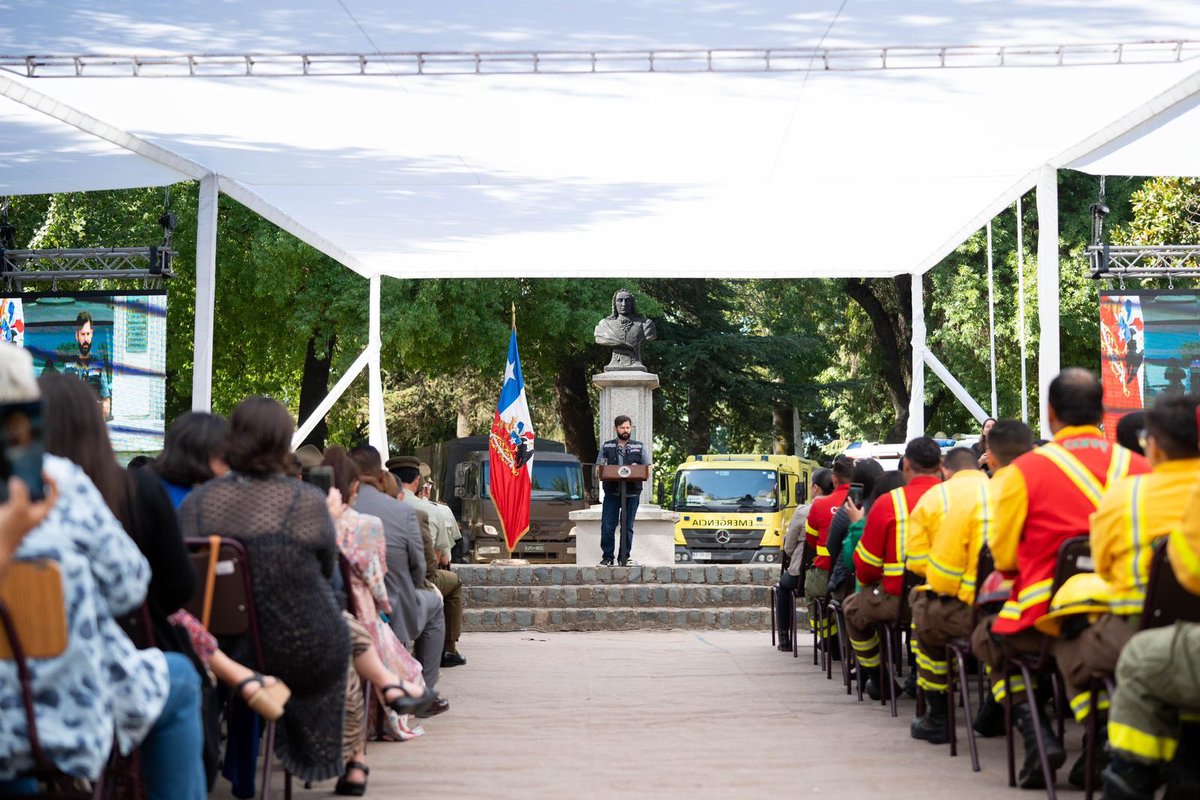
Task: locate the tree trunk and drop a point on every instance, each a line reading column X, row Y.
column 895, row 343
column 781, row 424
column 699, row 430
column 314, row 385
column 574, row 407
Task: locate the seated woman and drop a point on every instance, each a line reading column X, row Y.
column 101, row 684
column 289, row 536
column 789, row 578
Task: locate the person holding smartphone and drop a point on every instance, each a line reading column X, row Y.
column 862, row 483
column 789, row 578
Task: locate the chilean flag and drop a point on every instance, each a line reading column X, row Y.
column 511, row 451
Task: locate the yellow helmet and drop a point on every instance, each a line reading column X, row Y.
column 1085, row 593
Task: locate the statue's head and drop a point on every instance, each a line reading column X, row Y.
column 623, row 304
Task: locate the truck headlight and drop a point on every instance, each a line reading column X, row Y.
column 490, row 530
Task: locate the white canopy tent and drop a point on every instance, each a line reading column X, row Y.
column 510, row 156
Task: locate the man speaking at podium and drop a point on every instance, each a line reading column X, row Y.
column 621, row 450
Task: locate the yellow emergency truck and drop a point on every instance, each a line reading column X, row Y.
column 735, row 508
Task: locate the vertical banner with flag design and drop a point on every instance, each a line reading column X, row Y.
column 511, row 451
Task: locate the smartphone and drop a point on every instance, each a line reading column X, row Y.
column 856, row 494
column 321, row 477
column 21, row 447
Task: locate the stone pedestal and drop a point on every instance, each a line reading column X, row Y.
column 653, row 536
column 629, row 392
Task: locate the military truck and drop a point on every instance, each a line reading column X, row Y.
column 735, row 508
column 460, row 474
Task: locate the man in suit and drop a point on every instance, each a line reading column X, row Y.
column 417, row 610
column 407, row 470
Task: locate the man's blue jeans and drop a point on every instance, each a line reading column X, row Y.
column 172, row 754
column 610, row 518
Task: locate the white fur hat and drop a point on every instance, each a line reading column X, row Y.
column 17, row 381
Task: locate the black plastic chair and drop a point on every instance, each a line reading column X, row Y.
column 1167, row 602
column 958, row 654
column 891, row 640
column 1074, row 557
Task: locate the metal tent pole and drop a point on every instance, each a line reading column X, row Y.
column 1021, row 311
column 916, row 397
column 377, row 425
column 991, row 316
column 206, row 293
column 1047, row 288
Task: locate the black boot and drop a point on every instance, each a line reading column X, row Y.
column 785, row 641
column 934, row 727
column 1099, row 758
column 910, row 683
column 989, row 721
column 1031, row 776
column 1124, row 780
column 1183, row 773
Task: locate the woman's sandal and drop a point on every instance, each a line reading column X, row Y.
column 269, row 700
column 407, row 703
column 345, row 787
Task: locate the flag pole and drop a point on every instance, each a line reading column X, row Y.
column 503, row 533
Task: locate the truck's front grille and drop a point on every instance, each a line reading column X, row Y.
column 707, row 538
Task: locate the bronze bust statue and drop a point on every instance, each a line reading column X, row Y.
column 624, row 331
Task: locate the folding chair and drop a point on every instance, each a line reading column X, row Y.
column 233, row 614
column 34, row 623
column 1074, row 556
column 891, row 636
column 847, row 654
column 958, row 652
column 1166, row 603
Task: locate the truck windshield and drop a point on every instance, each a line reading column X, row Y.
column 552, row 480
column 727, row 490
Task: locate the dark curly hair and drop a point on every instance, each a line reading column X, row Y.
column 260, row 437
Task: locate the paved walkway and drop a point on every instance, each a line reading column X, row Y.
column 713, row 714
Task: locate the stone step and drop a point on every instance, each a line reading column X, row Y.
column 613, row 595
column 616, row 619
column 573, row 575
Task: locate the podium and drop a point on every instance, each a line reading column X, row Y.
column 624, row 474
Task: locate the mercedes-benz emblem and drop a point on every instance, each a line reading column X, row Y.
column 723, row 536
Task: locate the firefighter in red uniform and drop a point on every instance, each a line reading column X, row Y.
column 879, row 557
column 816, row 529
column 1044, row 499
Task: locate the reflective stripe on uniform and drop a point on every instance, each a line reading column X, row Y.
column 866, row 556
column 1081, row 704
column 1125, row 739
column 895, row 568
column 936, row 667
column 1182, row 555
column 822, row 550
column 1028, row 597
column 1073, row 468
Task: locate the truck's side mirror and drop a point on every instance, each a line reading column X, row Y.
column 460, row 480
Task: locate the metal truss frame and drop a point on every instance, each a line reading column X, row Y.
column 1144, row 261
column 151, row 265
column 681, row 60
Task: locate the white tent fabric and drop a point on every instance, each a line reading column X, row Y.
column 793, row 172
column 789, row 174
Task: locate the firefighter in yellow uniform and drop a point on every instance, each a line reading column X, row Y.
column 941, row 609
column 1155, row 715
column 1094, row 614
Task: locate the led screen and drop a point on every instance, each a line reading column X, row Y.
column 116, row 342
column 1149, row 343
